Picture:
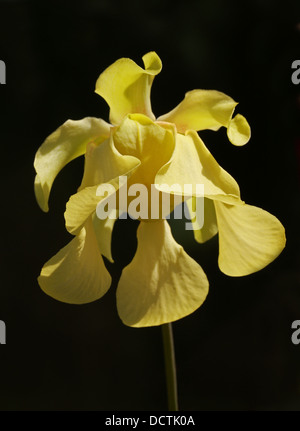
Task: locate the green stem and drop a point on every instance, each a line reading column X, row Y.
column 170, row 365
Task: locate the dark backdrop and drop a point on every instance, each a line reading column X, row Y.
column 235, row 352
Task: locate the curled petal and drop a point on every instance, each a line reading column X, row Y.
column 126, row 86
column 162, row 283
column 249, row 238
column 192, row 164
column 65, row 144
column 200, row 110
column 76, row 274
column 238, row 131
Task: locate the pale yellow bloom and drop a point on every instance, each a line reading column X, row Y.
column 162, row 283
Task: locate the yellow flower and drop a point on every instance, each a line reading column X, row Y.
column 162, row 283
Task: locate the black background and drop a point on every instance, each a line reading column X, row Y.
column 235, row 352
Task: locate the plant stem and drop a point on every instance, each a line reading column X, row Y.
column 170, row 366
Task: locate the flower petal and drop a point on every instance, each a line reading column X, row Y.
column 65, row 144
column 162, row 283
column 103, row 231
column 210, row 226
column 249, row 238
column 200, row 110
column 238, row 131
column 76, row 274
column 152, row 144
column 192, row 163
column 126, row 86
column 81, row 205
column 104, row 165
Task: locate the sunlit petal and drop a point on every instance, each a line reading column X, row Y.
column 103, row 231
column 162, row 283
column 238, row 131
column 126, row 86
column 200, row 110
column 81, row 205
column 76, row 274
column 104, row 163
column 65, row 144
column 193, row 164
column 79, row 208
column 152, row 144
column 249, row 238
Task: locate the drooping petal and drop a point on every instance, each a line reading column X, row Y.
column 65, row 144
column 238, row 131
column 126, row 86
column 200, row 110
column 192, row 164
column 76, row 274
column 162, row 283
column 249, row 238
column 210, row 226
column 103, row 231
